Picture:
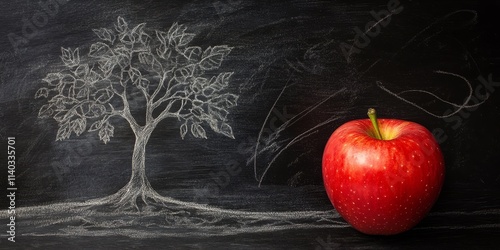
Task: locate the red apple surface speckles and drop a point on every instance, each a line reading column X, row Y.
column 384, row 186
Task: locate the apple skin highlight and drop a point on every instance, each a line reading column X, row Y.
column 382, row 187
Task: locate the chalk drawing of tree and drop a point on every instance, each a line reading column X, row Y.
column 127, row 64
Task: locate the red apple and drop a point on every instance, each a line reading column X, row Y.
column 382, row 176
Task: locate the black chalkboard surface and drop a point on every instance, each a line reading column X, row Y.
column 201, row 124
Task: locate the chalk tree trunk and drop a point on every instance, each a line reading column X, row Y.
column 137, row 193
column 138, row 179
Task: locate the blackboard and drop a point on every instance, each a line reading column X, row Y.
column 292, row 72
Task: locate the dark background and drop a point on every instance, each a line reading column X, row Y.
column 287, row 57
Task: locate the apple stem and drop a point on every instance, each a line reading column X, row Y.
column 372, row 114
